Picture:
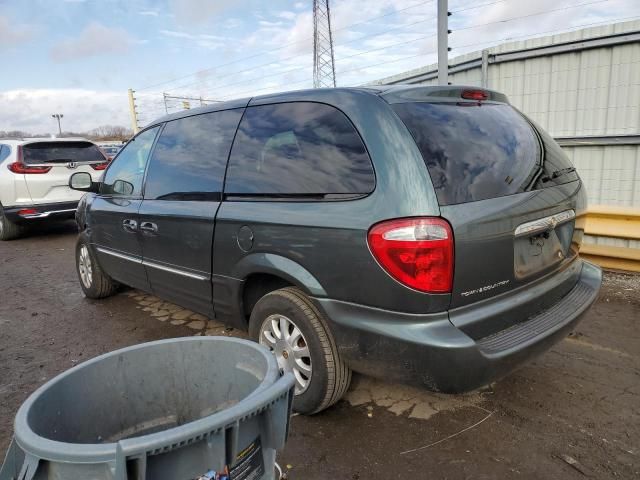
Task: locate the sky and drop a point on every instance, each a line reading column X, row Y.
column 79, row 57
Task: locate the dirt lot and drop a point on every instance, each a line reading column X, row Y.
column 578, row 403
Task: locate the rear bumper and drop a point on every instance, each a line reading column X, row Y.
column 59, row 211
column 429, row 350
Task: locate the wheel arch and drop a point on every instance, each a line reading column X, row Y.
column 279, row 266
column 262, row 273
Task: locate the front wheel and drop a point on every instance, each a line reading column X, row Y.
column 94, row 282
column 289, row 324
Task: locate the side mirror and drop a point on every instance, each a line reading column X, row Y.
column 82, row 182
column 122, row 187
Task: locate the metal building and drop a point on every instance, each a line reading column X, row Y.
column 583, row 87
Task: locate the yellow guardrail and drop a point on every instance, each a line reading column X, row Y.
column 612, row 222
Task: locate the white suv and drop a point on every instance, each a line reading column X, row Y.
column 34, row 177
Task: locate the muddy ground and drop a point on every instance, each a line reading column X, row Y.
column 573, row 413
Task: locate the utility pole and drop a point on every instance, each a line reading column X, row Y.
column 324, row 71
column 164, row 97
column 443, row 45
column 58, row 116
column 132, row 111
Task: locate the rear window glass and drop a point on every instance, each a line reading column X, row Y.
column 61, row 152
column 298, row 148
column 479, row 151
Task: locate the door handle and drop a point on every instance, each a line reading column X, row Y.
column 129, row 225
column 149, row 227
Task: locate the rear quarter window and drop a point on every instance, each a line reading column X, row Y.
column 478, row 151
column 298, row 148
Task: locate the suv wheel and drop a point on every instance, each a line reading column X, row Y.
column 94, row 282
column 8, row 229
column 289, row 324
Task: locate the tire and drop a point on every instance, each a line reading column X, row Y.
column 8, row 229
column 94, row 282
column 330, row 377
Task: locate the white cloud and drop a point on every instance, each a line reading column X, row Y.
column 12, row 34
column 231, row 23
column 148, row 13
column 174, row 34
column 266, row 23
column 31, row 109
column 203, row 40
column 198, row 11
column 287, row 15
column 94, row 40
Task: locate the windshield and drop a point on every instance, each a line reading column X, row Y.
column 477, row 151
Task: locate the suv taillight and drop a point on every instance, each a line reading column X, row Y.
column 19, row 167
column 100, row 166
column 418, row 252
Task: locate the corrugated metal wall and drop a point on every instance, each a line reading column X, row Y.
column 592, row 92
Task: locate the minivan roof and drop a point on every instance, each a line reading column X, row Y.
column 390, row 93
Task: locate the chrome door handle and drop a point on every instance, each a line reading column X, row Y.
column 129, row 225
column 149, row 227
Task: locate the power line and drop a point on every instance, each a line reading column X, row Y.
column 477, row 6
column 529, row 15
column 238, row 94
column 533, row 35
column 340, row 72
column 371, row 35
column 305, row 67
column 265, row 52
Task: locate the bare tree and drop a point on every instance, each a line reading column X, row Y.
column 110, row 132
column 115, row 133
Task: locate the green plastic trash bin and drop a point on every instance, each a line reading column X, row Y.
column 176, row 409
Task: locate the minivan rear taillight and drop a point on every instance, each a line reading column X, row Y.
column 418, row 252
column 19, row 167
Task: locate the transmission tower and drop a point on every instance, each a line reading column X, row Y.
column 324, row 71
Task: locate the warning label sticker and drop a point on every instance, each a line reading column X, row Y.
column 249, row 463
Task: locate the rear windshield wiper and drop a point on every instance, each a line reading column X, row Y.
column 558, row 173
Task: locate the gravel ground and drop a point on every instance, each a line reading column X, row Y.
column 572, row 413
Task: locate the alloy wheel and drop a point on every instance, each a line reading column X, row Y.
column 84, row 267
column 290, row 348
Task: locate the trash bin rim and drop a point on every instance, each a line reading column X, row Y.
column 55, row 450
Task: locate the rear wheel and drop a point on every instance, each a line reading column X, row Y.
column 289, row 324
column 94, row 282
column 8, row 229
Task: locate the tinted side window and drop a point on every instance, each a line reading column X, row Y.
column 124, row 176
column 190, row 157
column 298, row 148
